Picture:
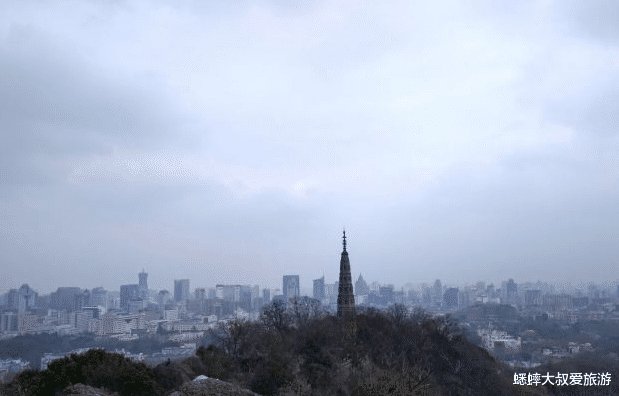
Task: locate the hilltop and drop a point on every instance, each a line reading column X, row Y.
column 300, row 351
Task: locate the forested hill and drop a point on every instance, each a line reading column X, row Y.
column 302, row 352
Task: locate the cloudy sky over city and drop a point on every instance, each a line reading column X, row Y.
column 230, row 142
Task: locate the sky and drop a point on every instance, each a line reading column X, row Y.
column 230, row 142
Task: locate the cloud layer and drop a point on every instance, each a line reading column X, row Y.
column 231, row 143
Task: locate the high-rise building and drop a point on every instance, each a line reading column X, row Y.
column 12, row 299
column 331, row 292
column 450, row 298
column 181, row 290
column 437, row 293
column 200, row 293
column 98, row 297
column 361, row 287
column 82, row 300
column 22, row 299
column 128, row 293
column 266, row 295
column 345, row 296
column 291, row 287
column 319, row 288
column 8, row 322
column 143, row 283
column 533, row 298
column 386, row 294
column 163, row 297
column 426, row 295
column 232, row 292
column 511, row 292
column 255, row 292
column 64, row 298
column 245, row 293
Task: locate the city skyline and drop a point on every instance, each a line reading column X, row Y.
column 308, row 286
column 303, row 286
column 229, row 143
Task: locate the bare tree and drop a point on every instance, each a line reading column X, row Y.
column 275, row 317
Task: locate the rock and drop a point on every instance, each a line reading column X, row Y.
column 86, row 390
column 205, row 386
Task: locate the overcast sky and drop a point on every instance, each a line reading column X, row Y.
column 230, row 143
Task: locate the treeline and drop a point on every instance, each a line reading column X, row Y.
column 391, row 352
column 97, row 368
column 303, row 351
column 32, row 347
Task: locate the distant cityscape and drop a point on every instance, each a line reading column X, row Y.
column 71, row 310
column 510, row 321
column 184, row 315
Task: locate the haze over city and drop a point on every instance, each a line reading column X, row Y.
column 231, row 143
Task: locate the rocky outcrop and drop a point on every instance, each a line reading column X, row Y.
column 204, row 386
column 86, row 390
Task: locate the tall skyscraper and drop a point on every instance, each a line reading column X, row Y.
column 345, row 296
column 437, row 293
column 291, row 287
column 181, row 290
column 319, row 288
column 143, row 283
column 511, row 292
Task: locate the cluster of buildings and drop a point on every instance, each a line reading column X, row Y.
column 127, row 313
column 561, row 302
column 136, row 309
column 11, row 367
column 528, row 324
column 184, row 315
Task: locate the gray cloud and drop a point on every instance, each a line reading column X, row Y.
column 596, row 19
column 232, row 142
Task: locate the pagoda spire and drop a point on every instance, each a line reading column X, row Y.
column 345, row 296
